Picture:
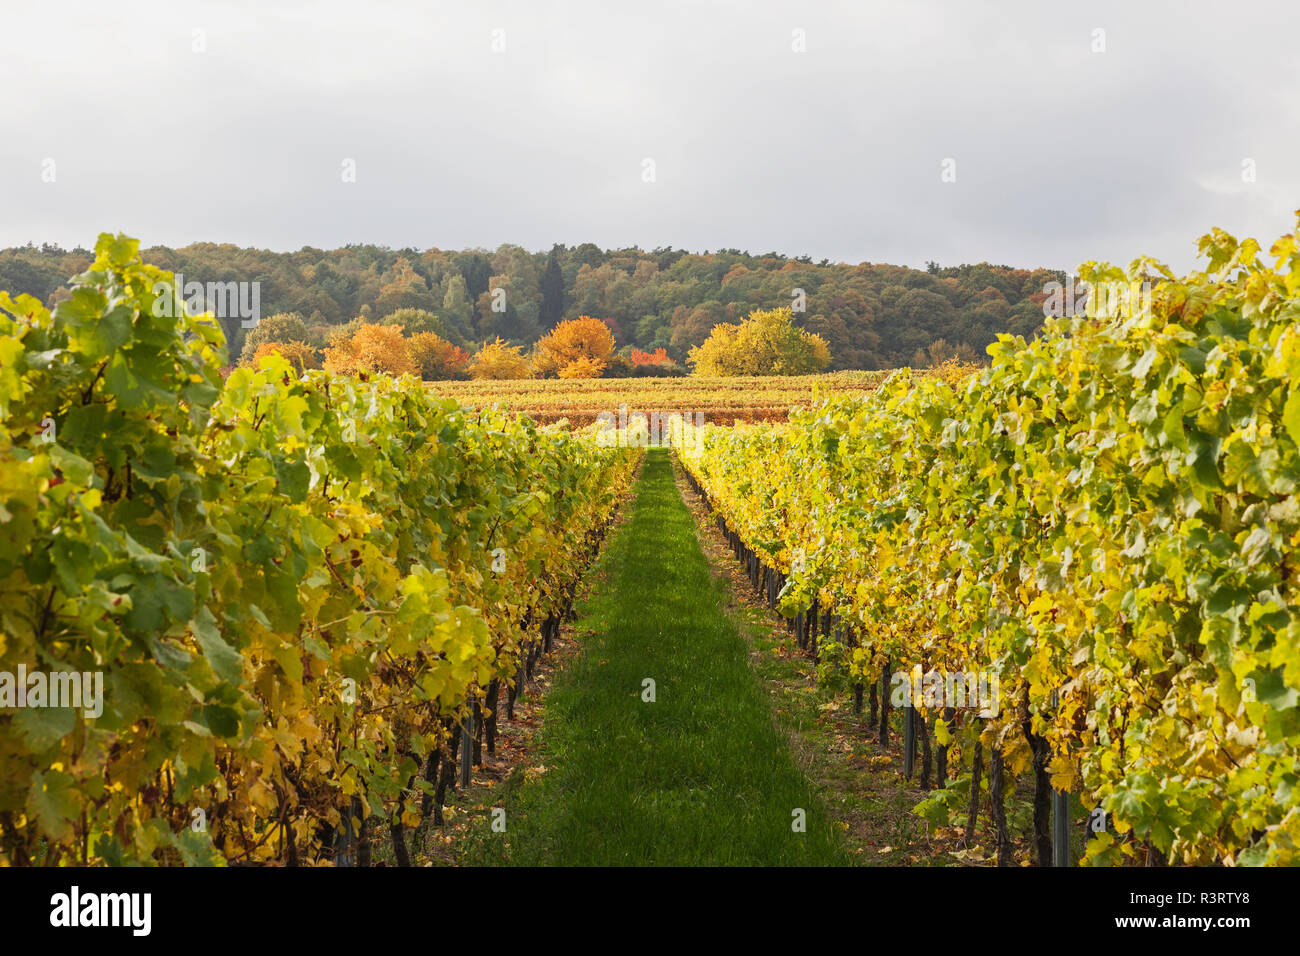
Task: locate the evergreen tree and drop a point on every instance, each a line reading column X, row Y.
column 457, row 309
column 552, row 292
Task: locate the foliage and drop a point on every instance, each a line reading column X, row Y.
column 405, row 291
column 582, row 367
column 340, row 334
column 551, row 290
column 577, row 348
column 497, row 360
column 372, row 348
column 435, row 358
column 658, row 357
column 286, row 581
column 766, row 343
column 1106, row 517
column 281, row 327
column 658, row 362
column 940, row 351
column 298, row 354
column 872, row 316
column 414, row 321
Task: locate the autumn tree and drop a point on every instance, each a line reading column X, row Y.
column 870, row 315
column 412, row 321
column 405, row 289
column 281, row 327
column 691, row 326
column 658, row 362
column 341, row 333
column 657, row 357
column 498, row 359
column 766, row 343
column 435, row 357
column 940, row 352
column 299, row 354
column 582, row 338
column 582, row 367
column 373, row 348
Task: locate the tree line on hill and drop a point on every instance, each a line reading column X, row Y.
column 413, row 342
column 766, row 343
column 870, row 316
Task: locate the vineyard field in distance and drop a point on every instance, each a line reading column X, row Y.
column 757, row 398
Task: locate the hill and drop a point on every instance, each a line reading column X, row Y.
column 872, row 316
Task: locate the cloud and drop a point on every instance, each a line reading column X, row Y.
column 1062, row 154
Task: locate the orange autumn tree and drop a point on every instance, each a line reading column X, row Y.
column 371, row 349
column 655, row 362
column 299, row 354
column 582, row 345
column 499, row 360
column 435, row 357
column 641, row 357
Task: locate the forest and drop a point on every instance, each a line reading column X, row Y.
column 871, row 316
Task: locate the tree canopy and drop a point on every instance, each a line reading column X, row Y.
column 871, row 316
column 767, row 343
column 498, row 359
column 576, row 348
column 373, row 348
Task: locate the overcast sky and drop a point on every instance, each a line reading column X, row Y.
column 1061, row 154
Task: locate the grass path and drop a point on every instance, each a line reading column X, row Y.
column 698, row 777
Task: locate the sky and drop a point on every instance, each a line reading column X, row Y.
column 1019, row 133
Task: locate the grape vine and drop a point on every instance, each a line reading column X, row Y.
column 293, row 586
column 1106, row 519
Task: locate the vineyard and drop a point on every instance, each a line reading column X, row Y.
column 723, row 401
column 296, row 588
column 315, row 600
column 1104, row 522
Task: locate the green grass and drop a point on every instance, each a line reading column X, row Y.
column 699, row 777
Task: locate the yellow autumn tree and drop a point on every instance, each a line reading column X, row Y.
column 496, row 359
column 371, row 349
column 766, row 343
column 582, row 367
column 584, row 342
